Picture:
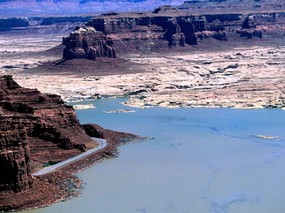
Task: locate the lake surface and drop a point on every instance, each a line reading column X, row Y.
column 199, row 160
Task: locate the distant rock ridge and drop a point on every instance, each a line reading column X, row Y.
column 148, row 31
column 8, row 23
column 67, row 7
column 165, row 8
column 167, row 27
column 112, row 34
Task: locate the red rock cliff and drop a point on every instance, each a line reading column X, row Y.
column 14, row 156
column 35, row 128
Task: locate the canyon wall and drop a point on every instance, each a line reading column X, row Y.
column 35, row 128
column 107, row 34
column 169, row 27
column 14, row 156
column 146, row 32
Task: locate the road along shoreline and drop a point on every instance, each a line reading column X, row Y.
column 49, row 169
column 62, row 184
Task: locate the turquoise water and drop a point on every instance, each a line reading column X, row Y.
column 199, row 160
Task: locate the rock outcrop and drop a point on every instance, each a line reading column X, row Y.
column 248, row 28
column 180, row 32
column 35, row 128
column 169, row 27
column 165, row 27
column 86, row 42
column 147, row 31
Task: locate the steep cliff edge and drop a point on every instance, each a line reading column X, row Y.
column 35, row 129
column 169, row 27
column 39, row 129
column 140, row 32
column 144, row 32
column 165, row 29
column 52, row 129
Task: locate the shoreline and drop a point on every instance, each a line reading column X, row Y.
column 62, row 183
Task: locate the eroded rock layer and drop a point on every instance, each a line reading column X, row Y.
column 170, row 27
column 166, row 28
column 35, row 128
column 14, row 156
column 39, row 129
column 86, row 42
column 146, row 32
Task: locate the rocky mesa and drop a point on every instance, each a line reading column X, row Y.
column 166, row 28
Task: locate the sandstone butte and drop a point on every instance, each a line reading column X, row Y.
column 37, row 129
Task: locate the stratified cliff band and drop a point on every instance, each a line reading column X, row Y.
column 35, row 128
column 166, row 27
column 86, row 42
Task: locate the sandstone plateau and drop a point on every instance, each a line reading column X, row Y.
column 165, row 28
column 170, row 27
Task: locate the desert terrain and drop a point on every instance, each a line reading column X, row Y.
column 239, row 77
column 237, row 72
column 170, row 57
